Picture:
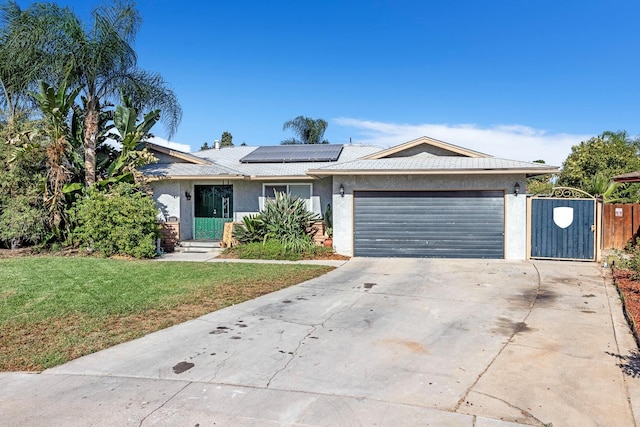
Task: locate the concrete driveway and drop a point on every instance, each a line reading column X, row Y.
column 382, row 342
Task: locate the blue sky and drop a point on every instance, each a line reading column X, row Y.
column 517, row 79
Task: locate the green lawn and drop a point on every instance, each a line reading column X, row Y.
column 54, row 309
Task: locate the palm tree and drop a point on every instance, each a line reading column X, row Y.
column 105, row 65
column 46, row 42
column 309, row 131
column 26, row 54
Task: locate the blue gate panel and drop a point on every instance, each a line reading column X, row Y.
column 569, row 235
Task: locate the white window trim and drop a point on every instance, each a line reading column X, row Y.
column 287, row 184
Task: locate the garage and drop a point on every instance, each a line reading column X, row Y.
column 429, row 224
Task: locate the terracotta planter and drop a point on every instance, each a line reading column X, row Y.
column 328, row 242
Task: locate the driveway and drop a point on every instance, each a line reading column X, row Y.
column 376, row 342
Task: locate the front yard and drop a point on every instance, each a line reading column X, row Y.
column 54, row 309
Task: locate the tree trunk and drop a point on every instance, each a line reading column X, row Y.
column 90, row 137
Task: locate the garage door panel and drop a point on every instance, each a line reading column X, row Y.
column 422, row 235
column 429, row 253
column 393, row 221
column 449, row 244
column 428, row 250
column 444, row 207
column 457, row 224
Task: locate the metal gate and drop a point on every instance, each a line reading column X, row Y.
column 563, row 225
column 213, row 208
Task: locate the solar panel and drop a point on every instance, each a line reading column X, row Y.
column 294, row 154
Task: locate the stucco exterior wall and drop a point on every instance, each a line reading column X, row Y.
column 170, row 197
column 515, row 207
column 166, row 194
column 246, row 200
column 186, row 211
column 323, row 191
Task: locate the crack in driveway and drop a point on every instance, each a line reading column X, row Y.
column 513, row 334
column 163, row 404
column 294, row 353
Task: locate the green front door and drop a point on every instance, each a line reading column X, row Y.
column 213, row 208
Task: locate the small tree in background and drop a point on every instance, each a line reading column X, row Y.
column 226, row 140
column 607, row 155
column 540, row 184
column 205, row 146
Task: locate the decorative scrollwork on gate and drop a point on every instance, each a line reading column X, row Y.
column 566, row 193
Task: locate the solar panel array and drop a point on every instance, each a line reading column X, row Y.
column 294, row 154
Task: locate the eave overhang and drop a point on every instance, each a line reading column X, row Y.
column 528, row 172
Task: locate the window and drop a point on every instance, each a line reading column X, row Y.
column 271, row 190
column 301, row 191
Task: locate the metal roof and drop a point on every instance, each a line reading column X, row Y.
column 294, row 154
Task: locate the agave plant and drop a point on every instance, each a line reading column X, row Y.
column 251, row 230
column 285, row 219
column 288, row 220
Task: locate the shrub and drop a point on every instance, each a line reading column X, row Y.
column 122, row 220
column 630, row 260
column 21, row 222
column 284, row 219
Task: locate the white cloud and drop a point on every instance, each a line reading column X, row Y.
column 169, row 144
column 514, row 142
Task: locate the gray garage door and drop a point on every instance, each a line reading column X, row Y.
column 431, row 224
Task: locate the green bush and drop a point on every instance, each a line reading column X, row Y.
column 22, row 223
column 122, row 220
column 23, row 217
column 284, row 219
column 631, row 259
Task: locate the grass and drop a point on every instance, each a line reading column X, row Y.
column 54, row 309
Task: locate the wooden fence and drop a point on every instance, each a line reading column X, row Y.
column 620, row 225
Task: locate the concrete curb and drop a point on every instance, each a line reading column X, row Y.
column 627, row 346
column 212, row 257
